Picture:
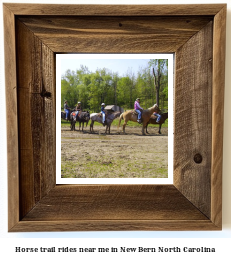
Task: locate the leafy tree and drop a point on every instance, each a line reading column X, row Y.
column 92, row 88
column 159, row 68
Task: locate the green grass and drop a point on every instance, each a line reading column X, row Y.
column 118, row 169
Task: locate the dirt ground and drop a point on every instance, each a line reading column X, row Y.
column 86, row 155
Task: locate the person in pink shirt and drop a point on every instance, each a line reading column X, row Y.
column 138, row 109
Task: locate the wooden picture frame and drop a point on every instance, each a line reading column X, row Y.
column 33, row 34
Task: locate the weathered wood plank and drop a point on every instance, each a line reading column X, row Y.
column 114, row 225
column 115, row 34
column 113, row 202
column 77, row 25
column 48, row 147
column 37, row 117
column 29, row 191
column 193, row 127
column 218, row 114
column 11, row 116
column 115, row 10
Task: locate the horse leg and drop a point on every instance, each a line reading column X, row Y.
column 72, row 122
column 159, row 128
column 147, row 129
column 73, row 125
column 91, row 127
column 143, row 127
column 125, row 123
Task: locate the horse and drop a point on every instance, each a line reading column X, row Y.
column 63, row 114
column 153, row 119
column 108, row 121
column 132, row 116
column 83, row 116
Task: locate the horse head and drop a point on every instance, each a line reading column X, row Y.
column 86, row 115
column 156, row 107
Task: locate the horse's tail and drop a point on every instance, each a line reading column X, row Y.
column 121, row 118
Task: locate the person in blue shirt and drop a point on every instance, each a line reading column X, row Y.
column 103, row 113
column 66, row 109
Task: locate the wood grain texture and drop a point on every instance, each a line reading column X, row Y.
column 194, row 201
column 12, row 121
column 115, row 34
column 115, row 10
column 114, row 207
column 193, row 104
column 35, row 63
column 218, row 113
column 114, row 202
column 114, row 225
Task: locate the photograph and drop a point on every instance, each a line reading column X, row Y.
column 114, row 116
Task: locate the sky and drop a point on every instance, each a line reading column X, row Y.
column 122, row 64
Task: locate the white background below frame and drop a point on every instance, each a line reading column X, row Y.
column 90, row 181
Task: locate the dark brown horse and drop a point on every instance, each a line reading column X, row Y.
column 63, row 115
column 83, row 116
column 153, row 120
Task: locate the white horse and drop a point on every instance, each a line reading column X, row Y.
column 108, row 121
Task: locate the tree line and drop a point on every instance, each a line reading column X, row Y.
column 150, row 84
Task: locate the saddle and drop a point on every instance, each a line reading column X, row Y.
column 100, row 115
column 74, row 114
column 136, row 113
column 154, row 116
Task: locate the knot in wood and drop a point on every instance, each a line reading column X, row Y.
column 198, row 158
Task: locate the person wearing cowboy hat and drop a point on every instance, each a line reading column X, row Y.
column 138, row 109
column 103, row 113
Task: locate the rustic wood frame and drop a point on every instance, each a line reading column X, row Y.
column 33, row 33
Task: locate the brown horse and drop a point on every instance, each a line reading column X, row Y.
column 131, row 116
column 153, row 119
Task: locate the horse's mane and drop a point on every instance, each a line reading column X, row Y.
column 155, row 105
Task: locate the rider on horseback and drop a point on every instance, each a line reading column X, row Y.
column 158, row 116
column 103, row 113
column 138, row 109
column 78, row 109
column 66, row 109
